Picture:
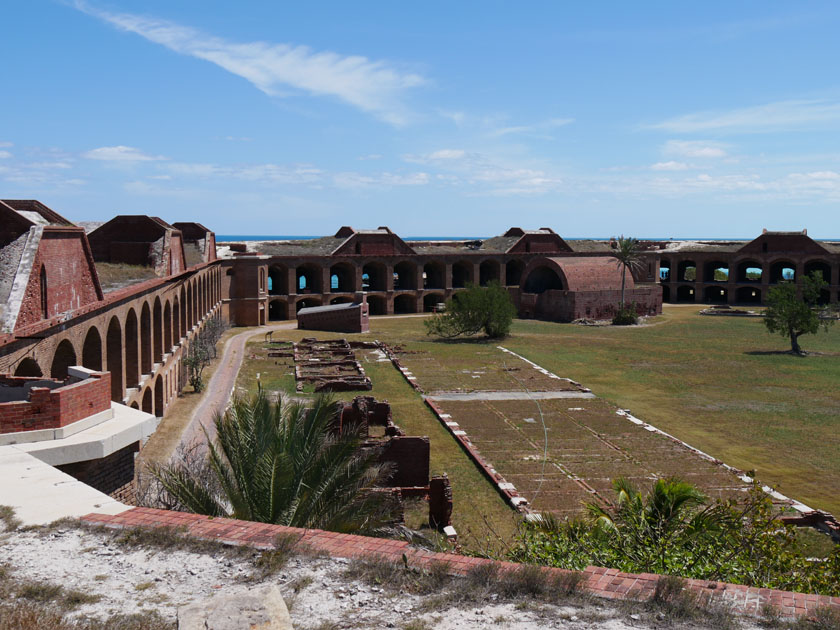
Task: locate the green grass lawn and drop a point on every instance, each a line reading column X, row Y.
column 483, row 520
column 718, row 383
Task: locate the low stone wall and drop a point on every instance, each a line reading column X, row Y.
column 109, row 474
column 598, row 581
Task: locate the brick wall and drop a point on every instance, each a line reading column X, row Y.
column 109, row 474
column 566, row 306
column 69, row 272
column 54, row 408
column 350, row 320
column 411, row 456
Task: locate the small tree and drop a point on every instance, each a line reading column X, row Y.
column 202, row 350
column 469, row 312
column 790, row 315
column 628, row 257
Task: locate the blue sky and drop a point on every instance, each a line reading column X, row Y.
column 654, row 119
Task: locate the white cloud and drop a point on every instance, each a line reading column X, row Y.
column 669, row 166
column 379, row 180
column 447, row 154
column 5, row 155
column 694, row 149
column 372, row 86
column 778, row 116
column 539, row 128
column 120, row 153
column 457, row 117
column 370, row 156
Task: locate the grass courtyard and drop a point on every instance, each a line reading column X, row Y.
column 720, row 384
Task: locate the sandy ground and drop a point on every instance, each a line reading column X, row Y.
column 319, row 595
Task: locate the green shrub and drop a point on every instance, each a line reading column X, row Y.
column 676, row 530
column 474, row 310
column 626, row 315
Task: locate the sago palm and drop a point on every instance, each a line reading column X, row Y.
column 285, row 464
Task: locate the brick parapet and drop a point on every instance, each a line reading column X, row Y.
column 55, row 408
column 599, row 581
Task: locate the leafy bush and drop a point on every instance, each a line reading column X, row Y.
column 626, row 315
column 676, row 530
column 477, row 309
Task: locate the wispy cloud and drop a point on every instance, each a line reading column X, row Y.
column 536, row 129
column 778, row 116
column 121, row 154
column 669, row 166
column 6, row 145
column 373, row 86
column 379, row 180
column 694, row 149
column 4, row 155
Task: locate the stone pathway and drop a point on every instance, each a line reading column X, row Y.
column 220, row 387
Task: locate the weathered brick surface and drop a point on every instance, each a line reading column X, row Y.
column 599, row 581
column 109, row 474
column 54, row 408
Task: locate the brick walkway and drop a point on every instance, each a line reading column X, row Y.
column 607, row 583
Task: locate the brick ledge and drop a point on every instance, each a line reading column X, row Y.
column 599, row 581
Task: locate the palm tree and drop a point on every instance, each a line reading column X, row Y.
column 645, row 530
column 286, row 465
column 628, row 255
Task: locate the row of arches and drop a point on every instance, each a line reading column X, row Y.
column 346, row 277
column 132, row 343
column 716, row 294
column 746, row 271
column 278, row 309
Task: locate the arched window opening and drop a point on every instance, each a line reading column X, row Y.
column 687, row 271
column 513, row 272
column 664, row 270
column 92, row 350
column 64, row 357
column 433, row 273
column 489, row 271
column 405, row 276
column 43, row 285
column 750, row 271
column 542, row 279
column 462, row 274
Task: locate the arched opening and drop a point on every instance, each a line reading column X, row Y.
column 308, row 279
column 342, row 278
column 184, row 327
column 748, row 295
column 134, row 405
column 307, row 303
column 716, row 271
column 167, row 328
column 262, row 279
column 159, row 397
column 42, row 279
column 374, row 277
column 92, row 350
column 687, row 271
column 277, row 310
column 664, row 270
column 157, row 331
column 433, row 275
column 176, row 322
column 188, row 309
column 715, row 295
column 749, row 271
column 489, row 271
column 666, row 293
column 113, row 340
column 824, row 298
column 132, row 366
column 147, row 401
column 782, row 271
column 28, row 367
column 64, row 357
column 377, row 305
column 542, row 279
column 341, row 300
column 821, row 268
column 462, row 274
column 405, row 276
column 685, row 293
column 405, row 304
column 433, row 302
column 513, row 272
column 146, row 339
